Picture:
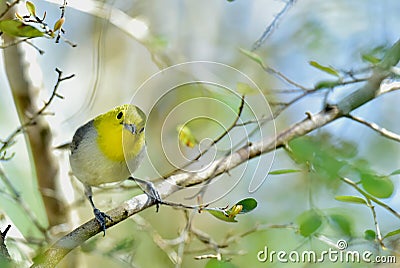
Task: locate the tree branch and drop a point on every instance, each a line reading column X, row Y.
column 39, row 135
column 3, row 248
column 177, row 181
column 9, row 6
column 270, row 28
column 382, row 131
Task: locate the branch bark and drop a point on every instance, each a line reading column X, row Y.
column 4, row 255
column 175, row 182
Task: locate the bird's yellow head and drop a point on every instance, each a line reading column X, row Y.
column 121, row 132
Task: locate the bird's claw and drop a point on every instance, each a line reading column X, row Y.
column 150, row 191
column 154, row 195
column 101, row 218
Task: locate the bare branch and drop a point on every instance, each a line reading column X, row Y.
column 270, row 28
column 15, row 195
column 158, row 240
column 382, row 131
column 3, row 248
column 377, row 228
column 9, row 141
column 9, row 6
column 284, row 77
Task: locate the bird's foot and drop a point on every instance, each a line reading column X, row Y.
column 151, row 191
column 154, row 195
column 101, row 218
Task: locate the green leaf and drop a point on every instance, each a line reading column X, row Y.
column 309, row 222
column 327, row 84
column 248, row 205
column 381, row 187
column 245, row 89
column 350, row 199
column 341, row 223
column 396, row 172
column 18, row 28
column 222, row 215
column 255, row 57
column 214, row 263
column 243, row 206
column 283, row 171
column 369, row 235
column 326, row 69
column 31, row 8
column 370, row 58
column 320, row 154
column 392, row 233
column 375, row 55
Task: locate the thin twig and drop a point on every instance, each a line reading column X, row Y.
column 270, row 28
column 370, row 197
column 15, row 42
column 382, row 131
column 157, row 239
column 61, row 30
column 306, row 92
column 9, row 6
column 234, row 124
column 9, row 141
column 16, row 196
column 41, row 52
column 377, row 229
column 215, row 141
column 4, row 254
column 280, row 75
column 208, row 256
column 184, row 237
column 23, row 40
column 209, row 242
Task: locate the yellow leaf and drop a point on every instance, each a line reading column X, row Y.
column 58, row 24
column 236, row 209
column 31, row 8
column 185, row 136
column 18, row 16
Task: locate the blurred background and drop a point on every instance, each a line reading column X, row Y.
column 121, row 48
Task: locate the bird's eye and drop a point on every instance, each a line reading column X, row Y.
column 119, row 115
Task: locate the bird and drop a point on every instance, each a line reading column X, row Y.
column 108, row 149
